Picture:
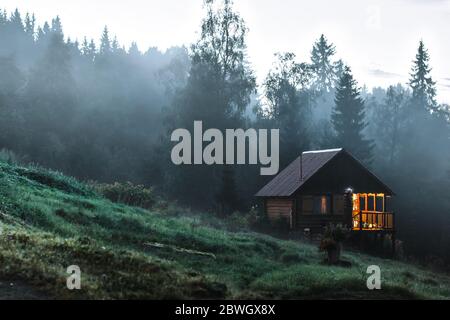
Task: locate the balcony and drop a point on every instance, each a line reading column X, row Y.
column 373, row 221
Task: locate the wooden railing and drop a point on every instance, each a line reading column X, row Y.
column 373, row 221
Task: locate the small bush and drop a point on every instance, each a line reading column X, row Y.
column 238, row 220
column 244, row 220
column 337, row 232
column 128, row 193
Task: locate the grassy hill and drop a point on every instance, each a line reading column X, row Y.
column 49, row 222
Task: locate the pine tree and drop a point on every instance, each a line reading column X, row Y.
column 73, row 46
column 322, row 65
column 88, row 49
column 30, row 22
column 105, row 42
column 57, row 26
column 92, row 48
column 3, row 18
column 115, row 45
column 348, row 118
column 42, row 32
column 46, row 28
column 85, row 47
column 16, row 21
column 339, row 68
column 422, row 85
column 134, row 50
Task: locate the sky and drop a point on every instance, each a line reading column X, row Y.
column 377, row 38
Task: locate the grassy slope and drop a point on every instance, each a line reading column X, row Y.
column 50, row 222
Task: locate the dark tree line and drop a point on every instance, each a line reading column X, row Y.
column 91, row 111
column 105, row 112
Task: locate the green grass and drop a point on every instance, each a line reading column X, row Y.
column 50, row 222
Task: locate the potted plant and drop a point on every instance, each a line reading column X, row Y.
column 332, row 240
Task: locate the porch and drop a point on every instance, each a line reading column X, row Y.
column 373, row 221
column 369, row 213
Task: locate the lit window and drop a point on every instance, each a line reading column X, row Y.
column 323, row 205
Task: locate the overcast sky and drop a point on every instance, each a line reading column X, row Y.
column 377, row 38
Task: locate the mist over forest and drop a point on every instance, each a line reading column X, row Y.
column 97, row 110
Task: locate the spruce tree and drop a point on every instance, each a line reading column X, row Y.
column 88, row 49
column 16, row 21
column 339, row 68
column 92, row 48
column 115, row 47
column 322, row 65
column 85, row 47
column 134, row 50
column 30, row 22
column 422, row 85
column 46, row 28
column 3, row 18
column 348, row 118
column 105, row 42
column 57, row 26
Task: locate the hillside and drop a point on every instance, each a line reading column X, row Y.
column 49, row 222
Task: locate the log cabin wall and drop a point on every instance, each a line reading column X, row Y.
column 280, row 209
column 310, row 216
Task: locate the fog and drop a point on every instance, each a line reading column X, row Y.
column 103, row 109
column 363, row 31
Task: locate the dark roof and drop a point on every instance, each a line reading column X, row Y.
column 288, row 181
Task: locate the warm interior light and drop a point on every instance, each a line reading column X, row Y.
column 323, row 205
column 370, row 219
column 355, row 202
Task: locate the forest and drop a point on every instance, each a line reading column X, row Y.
column 99, row 111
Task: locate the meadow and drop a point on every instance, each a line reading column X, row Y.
column 49, row 222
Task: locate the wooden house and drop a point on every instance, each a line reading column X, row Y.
column 328, row 186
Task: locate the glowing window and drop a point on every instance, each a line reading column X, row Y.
column 323, row 205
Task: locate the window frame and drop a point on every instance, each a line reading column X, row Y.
column 316, row 204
